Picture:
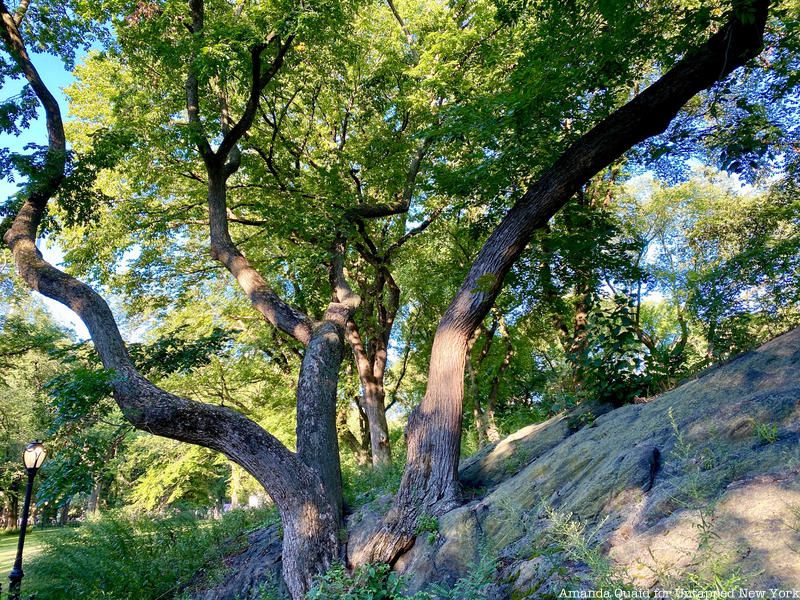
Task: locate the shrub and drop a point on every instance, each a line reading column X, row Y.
column 368, row 582
column 120, row 555
column 378, row 582
column 475, row 586
column 361, row 484
column 578, row 542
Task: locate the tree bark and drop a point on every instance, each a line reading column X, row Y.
column 63, row 512
column 430, row 480
column 317, row 439
column 359, row 447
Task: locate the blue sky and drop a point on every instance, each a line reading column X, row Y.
column 57, row 78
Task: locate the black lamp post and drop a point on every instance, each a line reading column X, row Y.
column 33, row 457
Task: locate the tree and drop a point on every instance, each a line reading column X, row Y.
column 725, row 258
column 306, row 486
column 29, row 343
column 430, row 480
column 221, row 110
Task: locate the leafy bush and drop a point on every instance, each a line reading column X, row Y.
column 427, row 524
column 578, row 542
column 369, row 582
column 612, row 367
column 135, row 556
column 475, row 586
column 378, row 582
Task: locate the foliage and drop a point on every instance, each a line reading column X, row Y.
column 711, row 572
column 476, row 585
column 174, row 354
column 612, row 367
column 725, row 256
column 713, row 564
column 378, row 582
column 767, row 433
column 122, row 555
column 578, row 542
column 368, row 582
column 364, row 484
column 427, row 524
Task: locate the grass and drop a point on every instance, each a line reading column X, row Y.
column 8, row 550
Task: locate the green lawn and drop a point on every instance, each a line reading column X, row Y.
column 8, row 550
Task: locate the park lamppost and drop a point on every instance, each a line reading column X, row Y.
column 33, row 457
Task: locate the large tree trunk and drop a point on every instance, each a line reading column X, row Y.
column 430, row 481
column 317, row 439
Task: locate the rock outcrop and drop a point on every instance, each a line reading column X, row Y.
column 698, row 486
column 700, row 482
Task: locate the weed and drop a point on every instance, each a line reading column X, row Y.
column 517, row 461
column 683, row 450
column 767, row 433
column 427, row 524
column 581, row 420
column 795, row 525
column 791, row 457
column 363, row 484
column 369, row 582
column 474, row 586
column 579, row 543
column 712, row 563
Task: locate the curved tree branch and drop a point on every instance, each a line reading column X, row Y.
column 260, row 77
column 263, row 298
column 647, row 114
column 279, row 313
column 22, row 9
